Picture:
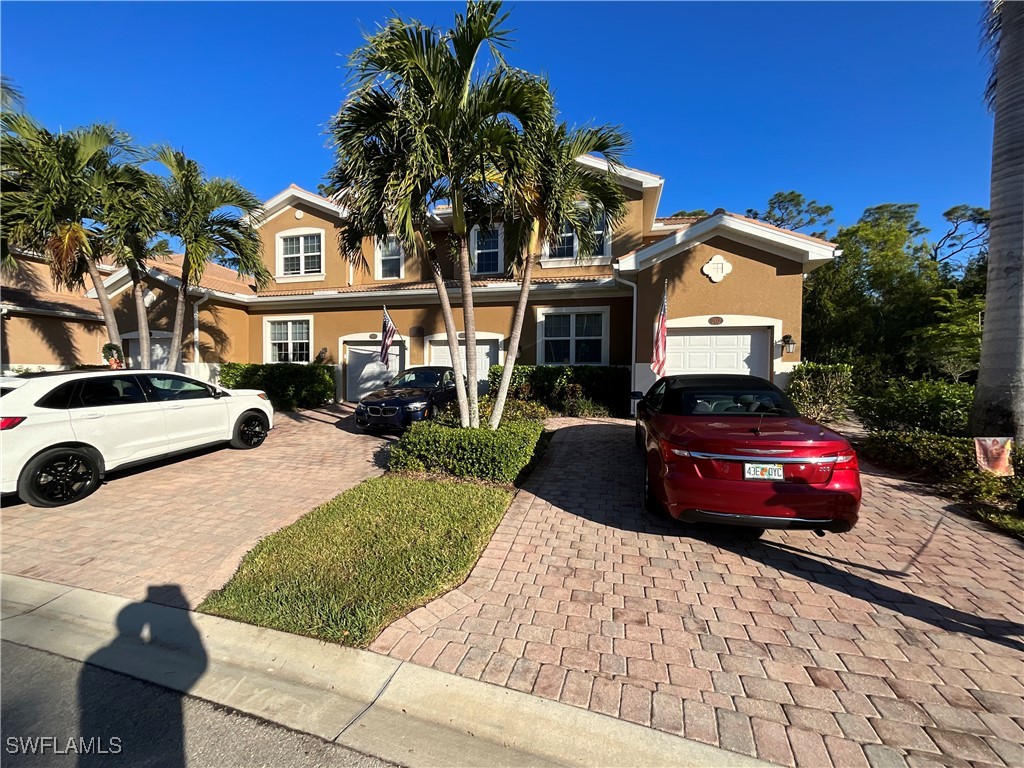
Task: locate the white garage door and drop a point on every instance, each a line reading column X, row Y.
column 363, row 370
column 719, row 350
column 486, row 356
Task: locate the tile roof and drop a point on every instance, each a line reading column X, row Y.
column 215, row 277
column 385, row 287
column 52, row 301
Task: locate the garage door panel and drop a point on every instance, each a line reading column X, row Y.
column 363, row 370
column 486, row 356
column 713, row 350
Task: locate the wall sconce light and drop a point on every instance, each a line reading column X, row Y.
column 789, row 343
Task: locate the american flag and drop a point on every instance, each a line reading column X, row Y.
column 661, row 337
column 387, row 335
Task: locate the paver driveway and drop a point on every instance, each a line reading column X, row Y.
column 898, row 642
column 189, row 521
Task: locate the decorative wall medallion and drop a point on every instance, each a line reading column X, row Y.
column 299, row 214
column 715, row 321
column 717, row 268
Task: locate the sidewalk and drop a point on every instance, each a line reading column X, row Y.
column 376, row 705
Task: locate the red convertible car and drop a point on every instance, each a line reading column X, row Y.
column 734, row 450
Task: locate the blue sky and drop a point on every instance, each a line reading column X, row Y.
column 851, row 104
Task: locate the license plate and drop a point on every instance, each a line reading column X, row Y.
column 762, row 472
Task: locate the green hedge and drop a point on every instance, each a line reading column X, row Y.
column 929, row 406
column 289, row 385
column 574, row 390
column 947, row 460
column 821, row 391
column 515, row 410
column 480, row 453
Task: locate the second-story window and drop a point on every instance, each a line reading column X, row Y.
column 301, row 255
column 487, row 246
column 566, row 247
column 390, row 259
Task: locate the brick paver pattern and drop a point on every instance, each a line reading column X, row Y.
column 899, row 643
column 188, row 521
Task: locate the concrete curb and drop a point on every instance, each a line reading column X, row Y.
column 377, row 705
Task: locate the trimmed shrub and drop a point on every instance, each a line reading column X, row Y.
column 497, row 455
column 575, row 390
column 821, row 391
column 947, row 460
column 515, row 410
column 929, row 406
column 288, row 385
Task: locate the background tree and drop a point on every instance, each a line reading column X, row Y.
column 545, row 187
column 951, row 345
column 791, row 210
column 457, row 108
column 998, row 408
column 132, row 219
column 967, row 236
column 53, row 190
column 698, row 213
column 212, row 218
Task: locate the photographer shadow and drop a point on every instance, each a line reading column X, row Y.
column 132, row 723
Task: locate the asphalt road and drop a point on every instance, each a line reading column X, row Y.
column 125, row 722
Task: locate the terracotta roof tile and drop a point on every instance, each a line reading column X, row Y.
column 52, row 301
column 215, row 277
column 385, row 287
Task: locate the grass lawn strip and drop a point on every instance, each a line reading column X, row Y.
column 350, row 567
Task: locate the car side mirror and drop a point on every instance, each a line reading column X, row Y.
column 636, row 395
column 217, row 394
column 449, row 385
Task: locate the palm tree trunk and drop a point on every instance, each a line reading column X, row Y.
column 453, row 343
column 513, row 343
column 113, row 335
column 174, row 360
column 998, row 409
column 142, row 317
column 469, row 323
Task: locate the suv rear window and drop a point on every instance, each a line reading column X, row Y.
column 58, row 398
column 6, row 391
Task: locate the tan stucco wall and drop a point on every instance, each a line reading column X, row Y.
column 760, row 284
column 40, row 340
column 335, row 268
column 416, row 323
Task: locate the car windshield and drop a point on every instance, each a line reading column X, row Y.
column 731, row 402
column 424, row 379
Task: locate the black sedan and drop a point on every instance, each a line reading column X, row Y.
column 413, row 395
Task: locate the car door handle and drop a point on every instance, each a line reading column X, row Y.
column 93, row 415
column 174, row 407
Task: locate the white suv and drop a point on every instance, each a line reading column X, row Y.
column 61, row 431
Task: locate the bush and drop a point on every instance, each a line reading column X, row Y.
column 821, row 391
column 929, row 406
column 575, row 390
column 947, row 460
column 515, row 410
column 498, row 455
column 289, row 385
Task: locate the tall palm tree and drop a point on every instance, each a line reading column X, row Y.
column 452, row 119
column 132, row 220
column 546, row 189
column 53, row 188
column 999, row 396
column 11, row 97
column 211, row 218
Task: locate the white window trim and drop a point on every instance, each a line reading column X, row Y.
column 377, row 272
column 268, row 353
column 302, row 277
column 543, row 312
column 548, row 262
column 501, row 249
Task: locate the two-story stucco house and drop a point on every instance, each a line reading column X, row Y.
column 733, row 289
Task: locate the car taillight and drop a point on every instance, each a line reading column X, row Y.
column 846, row 460
column 669, row 452
column 262, row 395
column 10, row 422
